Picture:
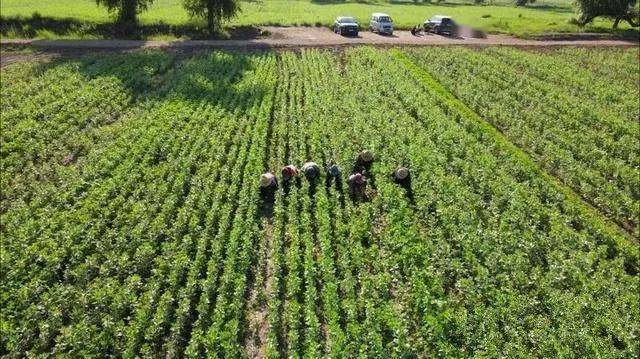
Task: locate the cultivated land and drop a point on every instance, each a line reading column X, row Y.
column 167, row 18
column 132, row 224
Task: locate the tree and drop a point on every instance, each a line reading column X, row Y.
column 127, row 9
column 613, row 9
column 214, row 11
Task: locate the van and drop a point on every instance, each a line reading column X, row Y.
column 381, row 23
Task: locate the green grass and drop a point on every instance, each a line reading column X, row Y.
column 500, row 17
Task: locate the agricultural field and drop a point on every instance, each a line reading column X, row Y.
column 578, row 116
column 167, row 19
column 132, row 223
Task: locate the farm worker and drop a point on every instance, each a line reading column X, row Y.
column 268, row 181
column 289, row 171
column 357, row 183
column 334, row 170
column 311, row 170
column 365, row 157
column 401, row 174
column 363, row 161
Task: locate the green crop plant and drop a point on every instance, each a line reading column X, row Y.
column 153, row 238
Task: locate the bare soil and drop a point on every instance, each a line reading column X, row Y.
column 270, row 37
column 293, row 37
column 9, row 58
column 257, row 317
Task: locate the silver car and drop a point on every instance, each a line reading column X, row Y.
column 381, row 23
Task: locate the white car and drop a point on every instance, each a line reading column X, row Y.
column 381, row 23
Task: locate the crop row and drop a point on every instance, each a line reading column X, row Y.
column 579, row 125
column 55, row 115
column 473, row 205
column 134, row 206
column 158, row 242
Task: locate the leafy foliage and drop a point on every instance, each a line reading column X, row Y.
column 127, row 9
column 154, row 241
column 614, row 9
column 214, row 11
column 580, row 126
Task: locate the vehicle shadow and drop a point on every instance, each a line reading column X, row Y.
column 393, row 36
column 351, row 36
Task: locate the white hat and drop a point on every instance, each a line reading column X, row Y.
column 402, row 173
column 267, row 179
column 366, row 156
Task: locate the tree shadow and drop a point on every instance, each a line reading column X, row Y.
column 549, row 7
column 36, row 25
column 334, row 2
column 149, row 76
column 194, row 76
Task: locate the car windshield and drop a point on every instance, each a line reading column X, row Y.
column 384, row 19
column 347, row 20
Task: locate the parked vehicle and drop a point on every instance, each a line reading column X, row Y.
column 345, row 25
column 440, row 24
column 381, row 23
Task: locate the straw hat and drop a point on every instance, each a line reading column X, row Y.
column 402, row 173
column 366, row 156
column 267, row 179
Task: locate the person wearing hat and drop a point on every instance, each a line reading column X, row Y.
column 334, row 170
column 311, row 170
column 357, row 183
column 268, row 187
column 268, row 181
column 289, row 172
column 365, row 156
column 333, row 173
column 363, row 161
column 401, row 174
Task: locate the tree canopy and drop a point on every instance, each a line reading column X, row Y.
column 127, row 10
column 214, row 11
column 614, row 9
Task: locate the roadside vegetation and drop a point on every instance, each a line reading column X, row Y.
column 168, row 19
column 132, row 223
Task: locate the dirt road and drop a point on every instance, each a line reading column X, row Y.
column 286, row 37
column 283, row 38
